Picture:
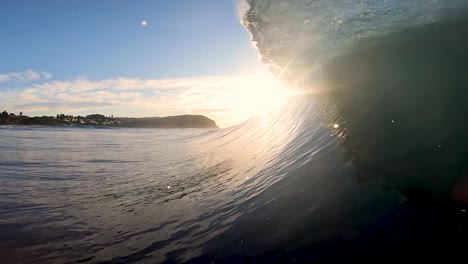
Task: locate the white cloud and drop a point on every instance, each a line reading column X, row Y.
column 4, row 77
column 26, row 76
column 47, row 75
column 226, row 99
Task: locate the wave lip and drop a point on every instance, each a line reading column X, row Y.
column 287, row 30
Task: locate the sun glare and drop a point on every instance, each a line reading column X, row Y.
column 255, row 94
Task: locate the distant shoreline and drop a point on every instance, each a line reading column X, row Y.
column 180, row 121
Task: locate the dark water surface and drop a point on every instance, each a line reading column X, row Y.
column 76, row 194
column 73, row 193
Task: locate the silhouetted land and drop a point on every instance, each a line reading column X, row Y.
column 182, row 121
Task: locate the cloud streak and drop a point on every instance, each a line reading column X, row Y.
column 26, row 76
column 132, row 96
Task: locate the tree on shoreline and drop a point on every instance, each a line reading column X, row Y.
column 5, row 117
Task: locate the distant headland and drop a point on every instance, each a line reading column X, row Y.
column 181, row 121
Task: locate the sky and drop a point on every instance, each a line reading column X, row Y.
column 84, row 56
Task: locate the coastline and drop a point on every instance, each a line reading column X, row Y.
column 97, row 120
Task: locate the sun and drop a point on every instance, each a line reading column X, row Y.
column 249, row 95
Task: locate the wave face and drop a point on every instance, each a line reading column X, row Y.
column 391, row 74
column 389, row 82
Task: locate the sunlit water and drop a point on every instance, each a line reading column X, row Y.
column 89, row 194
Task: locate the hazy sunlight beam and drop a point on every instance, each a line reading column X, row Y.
column 249, row 95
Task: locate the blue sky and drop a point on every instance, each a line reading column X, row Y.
column 50, row 49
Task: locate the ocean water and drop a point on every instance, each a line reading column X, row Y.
column 71, row 194
column 361, row 165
